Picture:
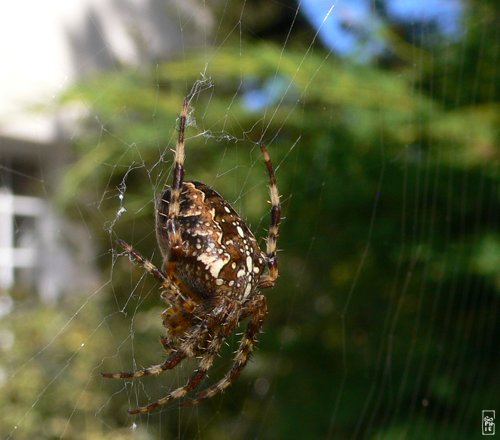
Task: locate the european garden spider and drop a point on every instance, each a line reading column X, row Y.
column 212, row 273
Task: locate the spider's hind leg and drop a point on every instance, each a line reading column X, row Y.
column 141, row 261
column 171, row 292
column 269, row 279
column 171, row 225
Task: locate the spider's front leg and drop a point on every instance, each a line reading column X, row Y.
column 206, row 341
column 176, row 322
column 174, row 359
column 206, row 362
column 256, row 308
column 186, row 348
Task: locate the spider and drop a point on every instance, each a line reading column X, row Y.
column 212, row 273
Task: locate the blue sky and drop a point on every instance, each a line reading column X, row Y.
column 351, row 28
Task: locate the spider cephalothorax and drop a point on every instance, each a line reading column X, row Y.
column 211, row 276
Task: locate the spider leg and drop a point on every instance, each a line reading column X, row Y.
column 138, row 259
column 188, row 348
column 195, row 379
column 258, row 310
column 268, row 280
column 171, row 292
column 174, row 359
column 173, row 232
column 167, row 343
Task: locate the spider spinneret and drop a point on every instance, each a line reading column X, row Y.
column 211, row 276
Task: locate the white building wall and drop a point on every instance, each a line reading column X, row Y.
column 44, row 48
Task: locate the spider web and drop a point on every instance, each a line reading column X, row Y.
column 383, row 321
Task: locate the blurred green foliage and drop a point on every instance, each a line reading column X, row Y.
column 50, row 355
column 383, row 322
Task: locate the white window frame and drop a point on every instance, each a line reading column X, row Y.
column 11, row 257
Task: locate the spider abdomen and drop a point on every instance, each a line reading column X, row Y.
column 220, row 254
